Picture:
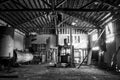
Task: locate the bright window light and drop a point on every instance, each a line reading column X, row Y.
column 73, row 23
column 109, row 33
column 95, row 48
column 33, row 33
column 95, row 37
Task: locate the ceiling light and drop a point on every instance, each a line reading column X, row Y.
column 73, row 23
column 37, row 28
column 9, row 26
column 95, row 3
column 76, row 20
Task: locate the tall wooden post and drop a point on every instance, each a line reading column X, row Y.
column 101, row 45
column 89, row 51
column 71, row 49
column 99, row 51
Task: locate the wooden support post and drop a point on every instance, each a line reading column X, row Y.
column 71, row 49
column 90, row 52
column 99, row 52
column 89, row 57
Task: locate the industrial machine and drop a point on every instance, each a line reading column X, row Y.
column 9, row 56
column 18, row 58
column 66, row 55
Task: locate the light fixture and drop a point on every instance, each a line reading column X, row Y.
column 8, row 25
column 118, row 4
column 37, row 29
column 76, row 20
column 95, row 3
column 73, row 23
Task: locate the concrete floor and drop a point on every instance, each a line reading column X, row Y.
column 43, row 72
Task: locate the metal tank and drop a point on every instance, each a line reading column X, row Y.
column 22, row 57
column 6, row 41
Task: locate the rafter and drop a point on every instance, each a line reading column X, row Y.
column 59, row 9
column 82, row 18
column 3, row 1
column 87, row 4
column 78, row 27
column 63, row 21
column 105, row 19
column 109, row 3
column 7, row 22
column 12, row 25
column 48, row 4
column 19, row 4
column 28, row 19
column 61, row 3
column 112, row 20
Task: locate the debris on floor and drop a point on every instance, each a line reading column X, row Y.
column 42, row 72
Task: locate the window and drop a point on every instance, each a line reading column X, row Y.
column 68, row 39
column 60, row 31
column 68, row 30
column 63, row 30
column 75, row 31
column 94, row 37
column 75, row 39
column 95, row 48
column 78, row 39
column 109, row 33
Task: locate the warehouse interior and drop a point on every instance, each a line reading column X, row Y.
column 66, row 34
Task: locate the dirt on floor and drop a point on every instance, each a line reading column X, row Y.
column 45, row 72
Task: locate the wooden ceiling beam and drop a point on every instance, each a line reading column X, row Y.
column 59, row 4
column 87, row 4
column 18, row 3
column 116, row 17
column 48, row 4
column 110, row 4
column 22, row 29
column 112, row 20
column 29, row 20
column 112, row 14
column 58, row 9
column 105, row 19
column 12, row 25
column 3, row 1
column 7, row 22
column 83, row 18
column 78, row 27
